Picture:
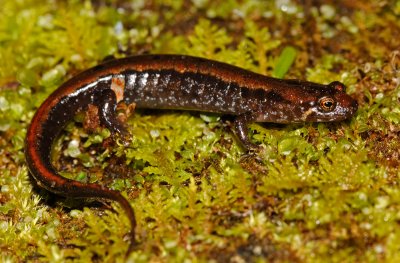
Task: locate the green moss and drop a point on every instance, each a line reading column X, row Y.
column 316, row 193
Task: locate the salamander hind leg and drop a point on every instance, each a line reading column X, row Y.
column 107, row 103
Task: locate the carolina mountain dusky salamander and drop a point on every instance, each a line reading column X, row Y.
column 173, row 82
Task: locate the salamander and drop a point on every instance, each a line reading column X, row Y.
column 173, row 82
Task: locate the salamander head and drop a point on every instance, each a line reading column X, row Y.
column 336, row 106
column 310, row 102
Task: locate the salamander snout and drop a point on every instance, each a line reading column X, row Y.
column 346, row 106
column 353, row 107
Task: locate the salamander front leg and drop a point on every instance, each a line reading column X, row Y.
column 242, row 130
column 107, row 103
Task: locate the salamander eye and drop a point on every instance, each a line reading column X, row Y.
column 327, row 104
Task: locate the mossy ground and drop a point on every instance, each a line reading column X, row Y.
column 318, row 193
